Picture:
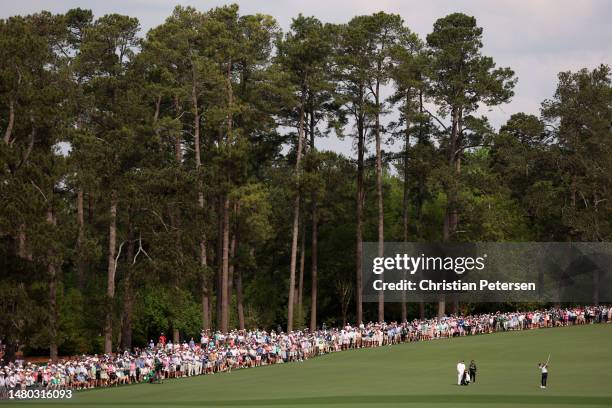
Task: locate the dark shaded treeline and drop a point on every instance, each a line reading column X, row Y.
column 144, row 187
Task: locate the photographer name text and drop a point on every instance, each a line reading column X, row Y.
column 427, row 285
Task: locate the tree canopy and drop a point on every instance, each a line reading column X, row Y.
column 175, row 180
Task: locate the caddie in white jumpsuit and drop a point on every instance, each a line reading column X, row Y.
column 460, row 371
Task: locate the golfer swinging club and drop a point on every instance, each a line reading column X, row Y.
column 544, row 370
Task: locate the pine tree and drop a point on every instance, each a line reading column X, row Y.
column 462, row 79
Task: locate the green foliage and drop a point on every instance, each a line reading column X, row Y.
column 73, row 339
column 580, row 114
column 163, row 309
column 461, row 75
column 90, row 109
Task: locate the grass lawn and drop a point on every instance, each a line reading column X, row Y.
column 407, row 375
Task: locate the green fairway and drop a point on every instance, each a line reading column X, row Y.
column 417, row 374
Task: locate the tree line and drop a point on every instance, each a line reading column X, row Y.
column 174, row 181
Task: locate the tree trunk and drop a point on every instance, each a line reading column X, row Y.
column 205, row 299
column 210, row 309
column 419, row 198
column 196, row 120
column 112, row 267
column 405, row 200
column 80, row 241
column 300, row 288
column 239, row 300
column 10, row 350
column 232, row 265
column 53, row 313
column 156, row 114
column 176, row 224
column 296, row 217
column 226, row 212
column 22, row 248
column 596, row 285
column 219, row 264
column 175, row 210
column 225, row 266
column 441, row 305
column 379, row 197
column 156, row 127
column 178, row 139
column 314, row 239
column 573, row 190
column 314, row 267
column 451, row 193
column 360, row 203
column 11, row 120
column 176, row 275
column 451, row 215
column 128, row 295
column 90, row 207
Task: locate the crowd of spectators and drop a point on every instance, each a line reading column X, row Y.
column 218, row 352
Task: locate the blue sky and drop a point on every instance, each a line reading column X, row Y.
column 536, row 38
